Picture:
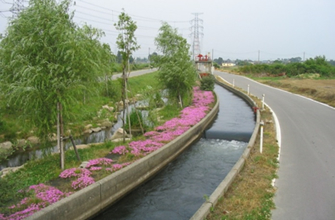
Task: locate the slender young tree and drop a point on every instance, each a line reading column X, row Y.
column 127, row 44
column 47, row 62
column 177, row 72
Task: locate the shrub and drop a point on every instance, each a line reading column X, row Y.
column 207, row 83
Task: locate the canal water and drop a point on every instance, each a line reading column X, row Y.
column 179, row 190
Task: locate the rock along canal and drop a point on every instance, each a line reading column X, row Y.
column 179, row 190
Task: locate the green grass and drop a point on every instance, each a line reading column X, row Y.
column 169, row 112
column 138, row 84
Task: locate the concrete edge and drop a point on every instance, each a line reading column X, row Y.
column 206, row 207
column 95, row 198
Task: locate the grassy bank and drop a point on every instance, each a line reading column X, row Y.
column 41, row 182
column 48, row 168
column 85, row 110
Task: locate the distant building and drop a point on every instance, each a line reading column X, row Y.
column 228, row 64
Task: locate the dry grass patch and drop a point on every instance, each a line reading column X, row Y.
column 322, row 90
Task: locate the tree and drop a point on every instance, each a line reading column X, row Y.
column 119, row 57
column 177, row 72
column 219, row 61
column 47, row 62
column 127, row 44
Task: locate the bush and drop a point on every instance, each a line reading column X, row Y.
column 156, row 100
column 112, row 90
column 136, row 120
column 207, row 83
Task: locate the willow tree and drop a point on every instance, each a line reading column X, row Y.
column 177, row 72
column 127, row 44
column 47, row 62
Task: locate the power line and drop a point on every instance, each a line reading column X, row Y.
column 17, row 7
column 111, row 12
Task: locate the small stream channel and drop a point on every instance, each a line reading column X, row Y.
column 95, row 137
column 180, row 189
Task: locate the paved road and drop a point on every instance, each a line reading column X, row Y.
column 135, row 73
column 306, row 184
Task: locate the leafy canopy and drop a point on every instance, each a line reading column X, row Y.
column 177, row 72
column 126, row 40
column 46, row 59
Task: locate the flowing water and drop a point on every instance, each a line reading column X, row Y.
column 180, row 188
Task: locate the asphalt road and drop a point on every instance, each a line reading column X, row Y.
column 306, row 183
column 135, row 73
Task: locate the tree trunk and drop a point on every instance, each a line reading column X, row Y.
column 126, row 83
column 138, row 117
column 60, row 132
column 124, row 103
column 181, row 101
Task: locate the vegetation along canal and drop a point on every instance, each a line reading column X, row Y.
column 180, row 189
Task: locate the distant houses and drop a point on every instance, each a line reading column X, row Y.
column 228, row 64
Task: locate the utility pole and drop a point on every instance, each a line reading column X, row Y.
column 17, row 7
column 259, row 55
column 149, row 58
column 197, row 29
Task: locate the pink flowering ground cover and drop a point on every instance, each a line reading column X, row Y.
column 173, row 128
column 43, row 195
column 82, row 177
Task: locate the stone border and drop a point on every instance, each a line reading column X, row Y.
column 206, row 207
column 97, row 197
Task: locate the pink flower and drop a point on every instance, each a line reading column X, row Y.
column 74, row 172
column 116, row 167
column 122, row 150
column 82, row 182
column 45, row 194
column 99, row 161
column 95, row 168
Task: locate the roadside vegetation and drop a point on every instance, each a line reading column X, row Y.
column 313, row 78
column 317, row 67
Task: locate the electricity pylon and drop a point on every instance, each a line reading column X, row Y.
column 197, row 32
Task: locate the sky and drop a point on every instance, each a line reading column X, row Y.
column 230, row 29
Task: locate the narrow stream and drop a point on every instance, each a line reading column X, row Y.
column 95, row 137
column 180, row 188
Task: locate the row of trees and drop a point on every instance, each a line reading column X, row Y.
column 317, row 65
column 219, row 61
column 48, row 63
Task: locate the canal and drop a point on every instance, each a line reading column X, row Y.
column 180, row 188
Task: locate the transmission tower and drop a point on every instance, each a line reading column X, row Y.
column 17, row 7
column 196, row 33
